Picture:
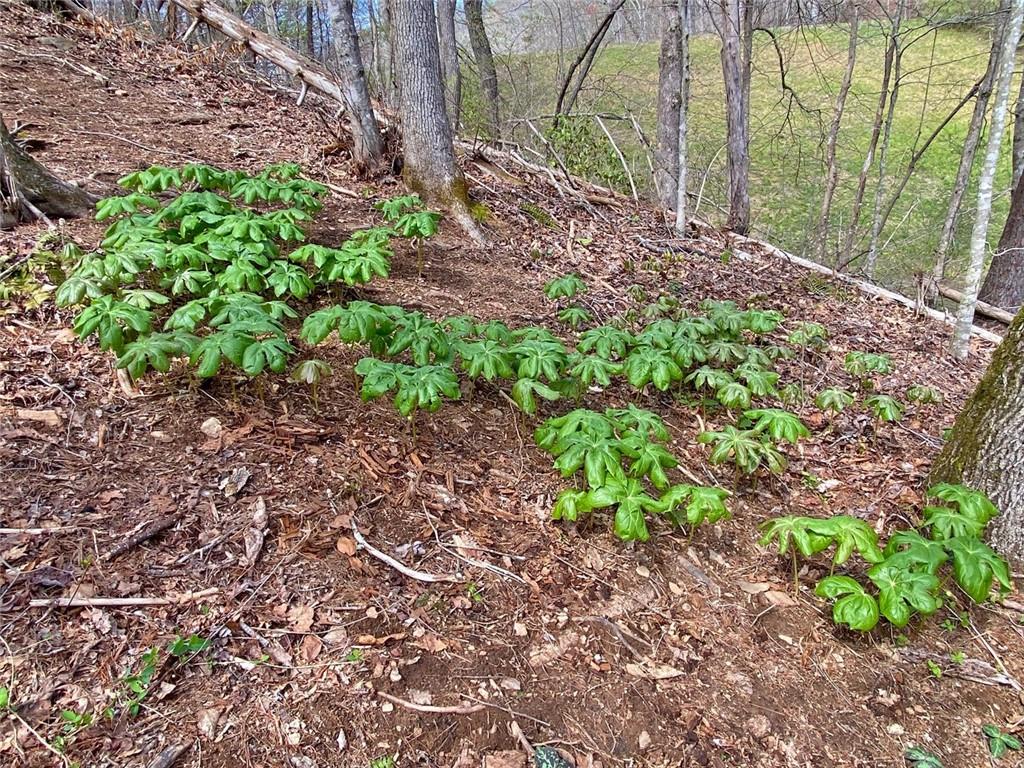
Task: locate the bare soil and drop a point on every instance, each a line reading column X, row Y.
column 660, row 654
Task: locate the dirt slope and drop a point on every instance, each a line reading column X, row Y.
column 661, row 654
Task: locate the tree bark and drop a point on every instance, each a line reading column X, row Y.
column 963, row 172
column 484, row 63
column 29, row 191
column 986, row 449
column 735, row 51
column 310, row 49
column 869, row 157
column 1004, row 283
column 267, row 46
column 831, row 169
column 429, row 156
column 684, row 109
column 960, row 346
column 1018, row 135
column 580, row 68
column 883, row 152
column 367, row 144
column 450, row 71
column 670, row 84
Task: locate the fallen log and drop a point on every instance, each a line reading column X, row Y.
column 28, row 191
column 980, row 307
column 295, row 64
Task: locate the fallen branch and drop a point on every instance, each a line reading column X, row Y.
column 121, row 602
column 147, row 532
column 37, row 531
column 388, row 560
column 980, row 307
column 861, row 285
column 464, row 709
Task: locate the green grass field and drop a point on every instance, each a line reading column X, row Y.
column 787, row 139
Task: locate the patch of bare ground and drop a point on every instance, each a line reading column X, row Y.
column 661, row 654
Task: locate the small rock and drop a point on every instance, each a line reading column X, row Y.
column 758, row 726
column 212, row 427
column 519, row 629
column 644, row 740
column 342, row 740
column 511, row 684
column 643, row 572
column 387, row 706
column 394, row 676
column 894, row 729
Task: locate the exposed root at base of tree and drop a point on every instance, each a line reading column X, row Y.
column 28, row 191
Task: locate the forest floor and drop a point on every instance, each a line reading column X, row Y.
column 666, row 653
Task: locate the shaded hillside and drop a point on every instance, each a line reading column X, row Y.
column 666, row 653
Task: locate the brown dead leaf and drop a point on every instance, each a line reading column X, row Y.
column 431, row 643
column 207, row 721
column 374, row 640
column 652, row 670
column 505, row 759
column 346, row 545
column 300, row 618
column 310, row 648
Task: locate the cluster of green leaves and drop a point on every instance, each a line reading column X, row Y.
column 411, row 220
column 621, row 455
column 567, row 287
column 754, row 443
column 904, row 577
column 206, row 271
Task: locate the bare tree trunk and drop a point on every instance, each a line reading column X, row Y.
column 450, row 60
column 270, row 17
column 389, row 91
column 29, row 191
column 310, row 49
column 883, row 153
column 986, row 449
column 963, row 172
column 484, row 63
column 367, row 144
column 1004, row 283
column 429, row 157
column 580, row 68
column 684, row 107
column 1018, row 135
column 670, row 82
column 737, row 115
column 831, row 169
column 960, row 346
column 869, row 157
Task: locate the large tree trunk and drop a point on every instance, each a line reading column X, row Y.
column 484, row 63
column 367, row 145
column 670, row 82
column 450, row 71
column 960, row 346
column 429, row 156
column 735, row 60
column 29, row 191
column 820, row 245
column 986, row 449
column 963, row 172
column 1018, row 135
column 1004, row 283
